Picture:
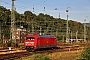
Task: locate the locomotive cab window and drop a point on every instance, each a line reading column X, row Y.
column 30, row 38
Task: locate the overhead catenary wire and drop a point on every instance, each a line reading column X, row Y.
column 40, row 10
column 73, row 5
column 23, row 7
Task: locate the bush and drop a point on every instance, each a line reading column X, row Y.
column 21, row 44
column 1, row 45
column 8, row 44
column 14, row 45
column 85, row 55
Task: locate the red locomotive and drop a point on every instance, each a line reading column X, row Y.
column 36, row 41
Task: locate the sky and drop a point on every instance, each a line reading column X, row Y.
column 78, row 10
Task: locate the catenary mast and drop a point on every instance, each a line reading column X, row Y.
column 13, row 23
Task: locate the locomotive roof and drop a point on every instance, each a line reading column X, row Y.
column 47, row 36
column 43, row 36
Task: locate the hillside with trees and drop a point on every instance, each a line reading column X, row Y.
column 42, row 23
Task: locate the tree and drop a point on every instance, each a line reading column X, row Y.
column 45, row 22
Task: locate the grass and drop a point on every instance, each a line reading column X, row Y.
column 72, row 55
column 36, row 57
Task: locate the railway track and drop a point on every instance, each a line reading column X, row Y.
column 13, row 54
column 23, row 53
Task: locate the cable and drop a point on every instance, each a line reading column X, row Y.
column 4, row 2
column 33, row 9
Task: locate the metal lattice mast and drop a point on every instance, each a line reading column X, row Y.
column 0, row 30
column 32, row 26
column 85, row 30
column 13, row 23
column 59, row 15
column 67, row 37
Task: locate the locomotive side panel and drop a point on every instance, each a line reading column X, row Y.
column 46, row 42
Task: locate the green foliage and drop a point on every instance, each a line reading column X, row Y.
column 36, row 57
column 1, row 45
column 40, row 57
column 9, row 44
column 21, row 44
column 32, row 22
column 14, row 45
column 85, row 55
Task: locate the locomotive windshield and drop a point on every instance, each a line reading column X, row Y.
column 30, row 38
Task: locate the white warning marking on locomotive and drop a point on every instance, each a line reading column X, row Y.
column 27, row 42
column 32, row 42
